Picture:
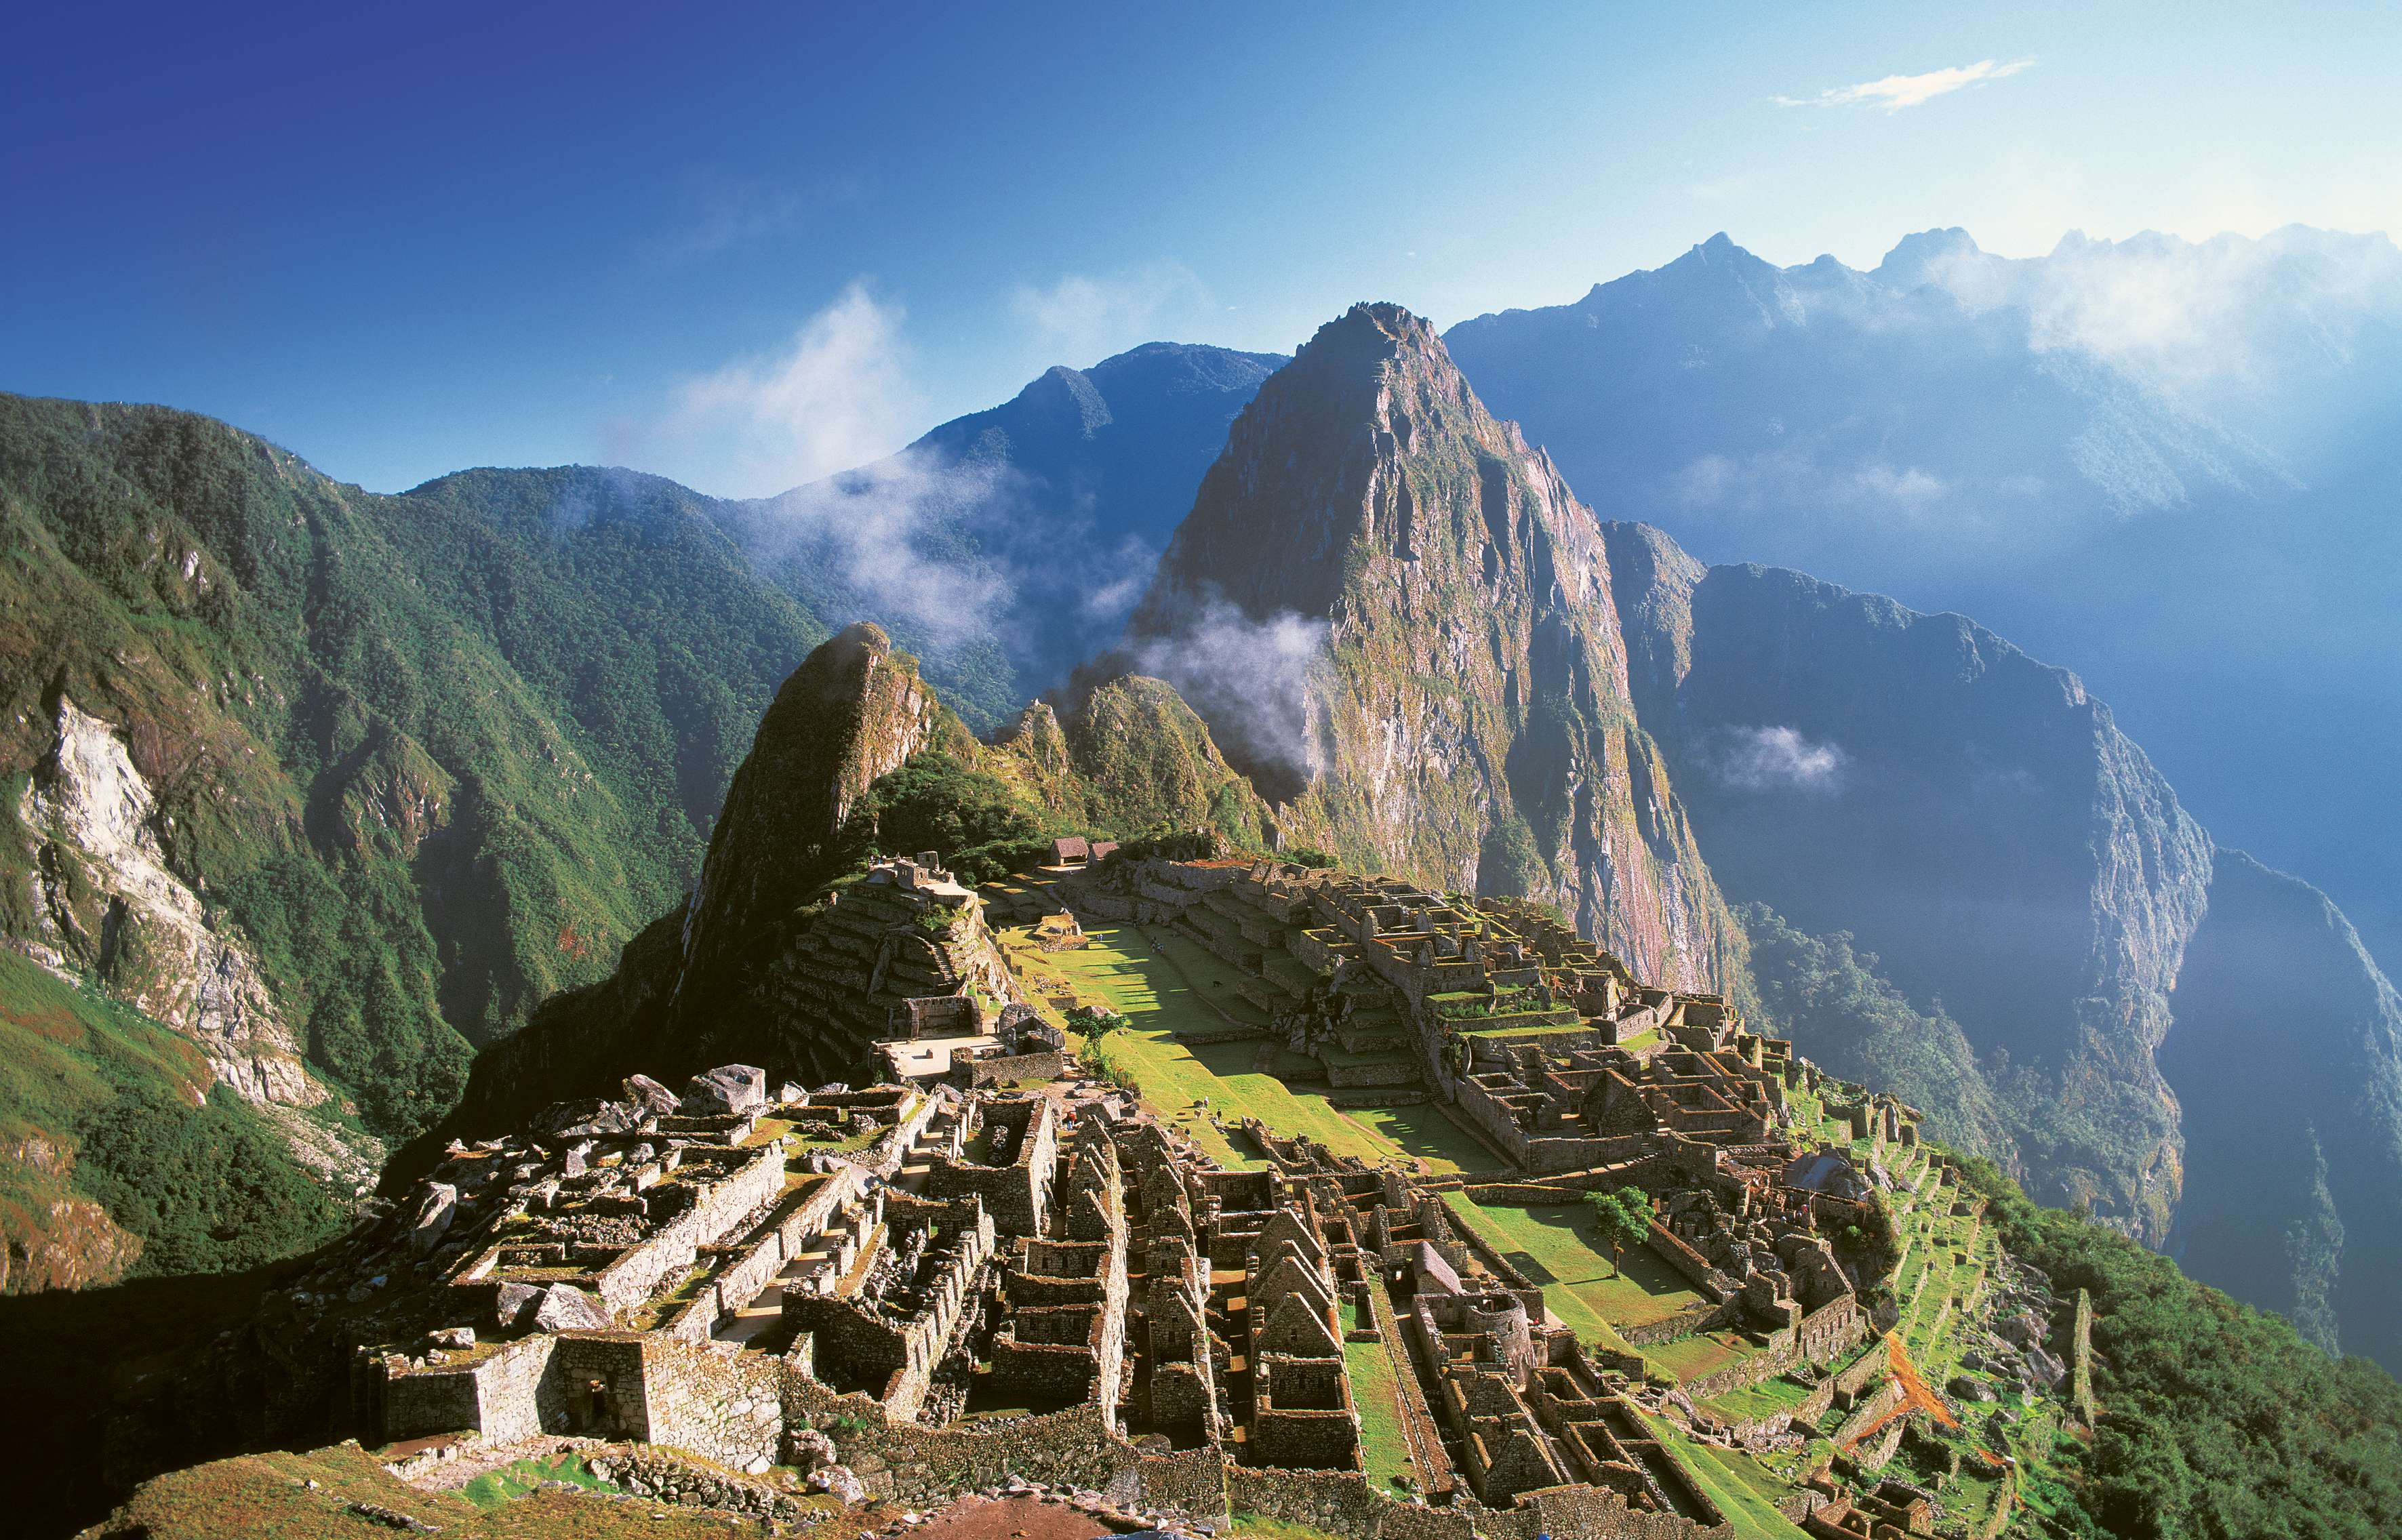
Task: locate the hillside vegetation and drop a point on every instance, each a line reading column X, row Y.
column 2217, row 1421
column 124, row 1164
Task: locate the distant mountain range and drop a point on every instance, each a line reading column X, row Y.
column 336, row 788
column 2173, row 466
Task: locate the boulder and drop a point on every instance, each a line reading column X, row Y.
column 583, row 1118
column 789, row 1092
column 811, row 1451
column 1969, row 1389
column 2046, row 1369
column 649, row 1096
column 838, row 1482
column 734, row 1088
column 452, row 1337
column 435, row 1213
column 566, row 1308
column 514, row 1305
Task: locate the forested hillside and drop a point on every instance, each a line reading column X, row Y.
column 316, row 776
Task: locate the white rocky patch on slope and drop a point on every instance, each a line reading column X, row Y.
column 108, row 902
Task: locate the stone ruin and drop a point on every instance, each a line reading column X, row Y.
column 727, row 1268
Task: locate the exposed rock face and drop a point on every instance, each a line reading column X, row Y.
column 1974, row 816
column 716, row 978
column 1398, row 619
column 2287, row 1059
column 108, row 903
column 72, row 1244
column 854, row 710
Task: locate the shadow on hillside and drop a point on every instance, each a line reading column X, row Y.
column 98, row 1390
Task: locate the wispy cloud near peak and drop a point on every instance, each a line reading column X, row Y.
column 1896, row 91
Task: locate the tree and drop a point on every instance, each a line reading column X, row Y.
column 1625, row 1219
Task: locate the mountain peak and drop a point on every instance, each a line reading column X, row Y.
column 1918, row 259
column 1377, row 327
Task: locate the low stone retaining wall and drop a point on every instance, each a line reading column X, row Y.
column 656, row 1475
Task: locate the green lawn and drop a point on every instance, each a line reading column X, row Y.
column 496, row 1487
column 1748, row 1403
column 1748, row 1497
column 1690, row 1357
column 1119, row 965
column 1384, row 1450
column 1575, row 1314
column 1429, row 1132
column 1561, row 1243
column 1212, row 977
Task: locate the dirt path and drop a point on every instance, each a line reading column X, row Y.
column 1010, row 1519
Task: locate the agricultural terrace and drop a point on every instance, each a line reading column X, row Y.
column 1560, row 1247
column 1176, row 996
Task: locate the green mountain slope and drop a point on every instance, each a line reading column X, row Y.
column 321, row 777
column 116, row 1160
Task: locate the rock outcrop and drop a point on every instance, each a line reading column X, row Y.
column 2198, row 1047
column 1130, row 755
column 853, row 710
column 107, row 905
column 1398, row 619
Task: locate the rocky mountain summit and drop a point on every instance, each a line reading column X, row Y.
column 774, row 958
column 2170, row 462
column 1398, row 619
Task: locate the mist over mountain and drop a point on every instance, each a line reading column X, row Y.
column 2171, row 464
column 1006, row 547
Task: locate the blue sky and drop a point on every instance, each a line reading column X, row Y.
column 743, row 247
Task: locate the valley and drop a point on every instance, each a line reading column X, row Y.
column 1468, row 860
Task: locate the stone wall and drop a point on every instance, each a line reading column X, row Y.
column 422, row 1404
column 715, row 1400
column 1706, row 1281
column 616, row 1363
column 1015, row 1066
column 632, row 1278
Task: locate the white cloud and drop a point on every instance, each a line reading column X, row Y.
column 716, row 210
column 1740, row 184
column 1790, row 479
column 1251, row 681
column 1779, row 759
column 840, row 396
column 871, row 532
column 1081, row 319
column 1896, row 91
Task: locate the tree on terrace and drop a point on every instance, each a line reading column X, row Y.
column 1625, row 1219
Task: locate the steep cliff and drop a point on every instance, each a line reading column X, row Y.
column 2139, row 454
column 2285, row 1056
column 853, row 711
column 1974, row 818
column 1397, row 620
